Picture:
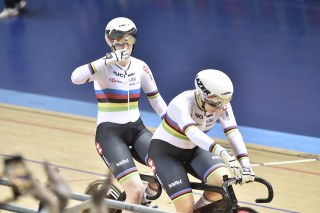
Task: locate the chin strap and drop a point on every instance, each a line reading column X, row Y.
column 199, row 102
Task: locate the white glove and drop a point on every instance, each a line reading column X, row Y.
column 247, row 175
column 116, row 56
column 231, row 162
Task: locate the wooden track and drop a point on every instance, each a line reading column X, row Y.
column 68, row 141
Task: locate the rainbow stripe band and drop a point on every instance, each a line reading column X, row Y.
column 181, row 194
column 213, row 170
column 230, row 129
column 123, row 176
column 187, row 127
column 213, row 147
column 242, row 156
column 172, row 128
column 113, row 100
column 92, row 68
column 153, row 94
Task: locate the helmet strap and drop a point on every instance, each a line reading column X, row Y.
column 200, row 102
column 203, row 106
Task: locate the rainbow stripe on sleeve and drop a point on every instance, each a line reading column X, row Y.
column 242, row 156
column 230, row 130
column 92, row 68
column 213, row 147
column 173, row 129
column 153, row 94
column 113, row 100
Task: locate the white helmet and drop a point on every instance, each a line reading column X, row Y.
column 214, row 87
column 119, row 31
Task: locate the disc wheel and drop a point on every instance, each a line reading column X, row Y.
column 113, row 193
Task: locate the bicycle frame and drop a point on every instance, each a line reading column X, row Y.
column 229, row 201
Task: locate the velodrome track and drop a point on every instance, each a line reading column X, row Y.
column 67, row 141
column 270, row 48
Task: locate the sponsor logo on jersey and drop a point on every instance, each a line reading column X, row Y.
column 132, row 79
column 160, row 181
column 198, row 116
column 116, row 81
column 215, row 157
column 146, row 69
column 112, row 80
column 151, row 165
column 210, row 120
column 224, row 108
column 105, row 160
column 122, row 162
column 122, row 75
column 99, row 149
column 131, row 74
column 175, row 183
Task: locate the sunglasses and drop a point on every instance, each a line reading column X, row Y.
column 215, row 103
column 126, row 39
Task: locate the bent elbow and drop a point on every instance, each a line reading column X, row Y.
column 75, row 78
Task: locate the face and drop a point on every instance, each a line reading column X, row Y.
column 212, row 109
column 124, row 46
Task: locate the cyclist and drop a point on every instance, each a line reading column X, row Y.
column 118, row 79
column 180, row 144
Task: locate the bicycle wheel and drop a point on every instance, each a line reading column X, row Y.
column 244, row 210
column 113, row 193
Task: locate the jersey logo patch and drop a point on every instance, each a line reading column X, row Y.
column 99, row 149
column 152, row 166
column 224, row 108
column 146, row 69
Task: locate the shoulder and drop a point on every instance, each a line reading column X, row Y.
column 187, row 95
column 99, row 64
column 183, row 99
column 99, row 61
column 140, row 65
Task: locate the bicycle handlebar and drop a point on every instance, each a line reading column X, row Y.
column 151, row 179
column 270, row 190
column 263, row 181
column 223, row 189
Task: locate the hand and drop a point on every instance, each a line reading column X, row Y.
column 58, row 185
column 231, row 162
column 247, row 175
column 116, row 56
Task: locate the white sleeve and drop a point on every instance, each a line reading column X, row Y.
column 85, row 73
column 188, row 126
column 149, row 87
column 202, row 140
column 234, row 136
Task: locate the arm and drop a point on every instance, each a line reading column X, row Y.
column 238, row 146
column 150, row 88
column 86, row 73
column 187, row 125
column 83, row 73
column 234, row 136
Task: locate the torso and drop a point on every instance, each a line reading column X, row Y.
column 183, row 111
column 118, row 90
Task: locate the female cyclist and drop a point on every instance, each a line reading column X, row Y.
column 118, row 79
column 180, row 144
